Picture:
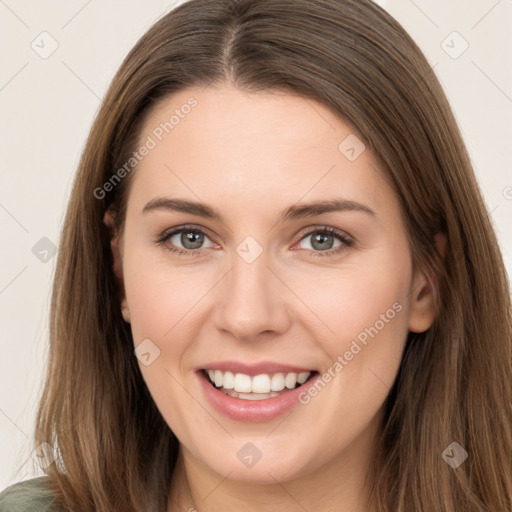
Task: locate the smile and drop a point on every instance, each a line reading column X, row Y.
column 254, row 393
column 258, row 387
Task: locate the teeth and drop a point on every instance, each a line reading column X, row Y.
column 242, row 383
column 262, row 384
column 251, row 396
column 277, row 383
column 303, row 377
column 290, row 380
column 228, row 381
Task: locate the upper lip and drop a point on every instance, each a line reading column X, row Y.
column 253, row 369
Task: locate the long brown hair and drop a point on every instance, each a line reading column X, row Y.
column 115, row 451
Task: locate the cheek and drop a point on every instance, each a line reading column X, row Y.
column 356, row 301
column 163, row 299
column 364, row 324
column 164, row 307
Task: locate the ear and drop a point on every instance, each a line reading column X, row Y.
column 424, row 293
column 109, row 221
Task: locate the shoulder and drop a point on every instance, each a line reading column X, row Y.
column 28, row 496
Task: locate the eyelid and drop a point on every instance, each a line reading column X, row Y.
column 346, row 240
column 184, row 227
column 167, row 234
column 322, row 227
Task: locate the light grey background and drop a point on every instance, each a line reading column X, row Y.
column 47, row 106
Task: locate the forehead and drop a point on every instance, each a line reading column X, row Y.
column 239, row 123
column 252, row 146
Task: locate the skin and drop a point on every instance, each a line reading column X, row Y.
column 234, row 152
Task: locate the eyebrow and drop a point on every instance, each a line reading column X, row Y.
column 296, row 211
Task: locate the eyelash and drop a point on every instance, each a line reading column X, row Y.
column 346, row 241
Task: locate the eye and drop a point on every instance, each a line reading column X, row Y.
column 322, row 241
column 188, row 240
column 185, row 240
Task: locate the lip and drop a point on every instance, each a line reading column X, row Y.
column 252, row 411
column 253, row 369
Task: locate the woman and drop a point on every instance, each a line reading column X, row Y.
column 277, row 286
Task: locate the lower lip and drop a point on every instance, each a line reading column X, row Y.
column 254, row 411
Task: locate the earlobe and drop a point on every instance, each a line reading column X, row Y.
column 125, row 311
column 422, row 305
column 424, row 291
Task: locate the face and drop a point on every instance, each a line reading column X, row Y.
column 299, row 313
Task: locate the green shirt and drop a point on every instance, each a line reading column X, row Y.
column 29, row 496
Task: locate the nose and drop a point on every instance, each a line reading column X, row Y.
column 252, row 302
